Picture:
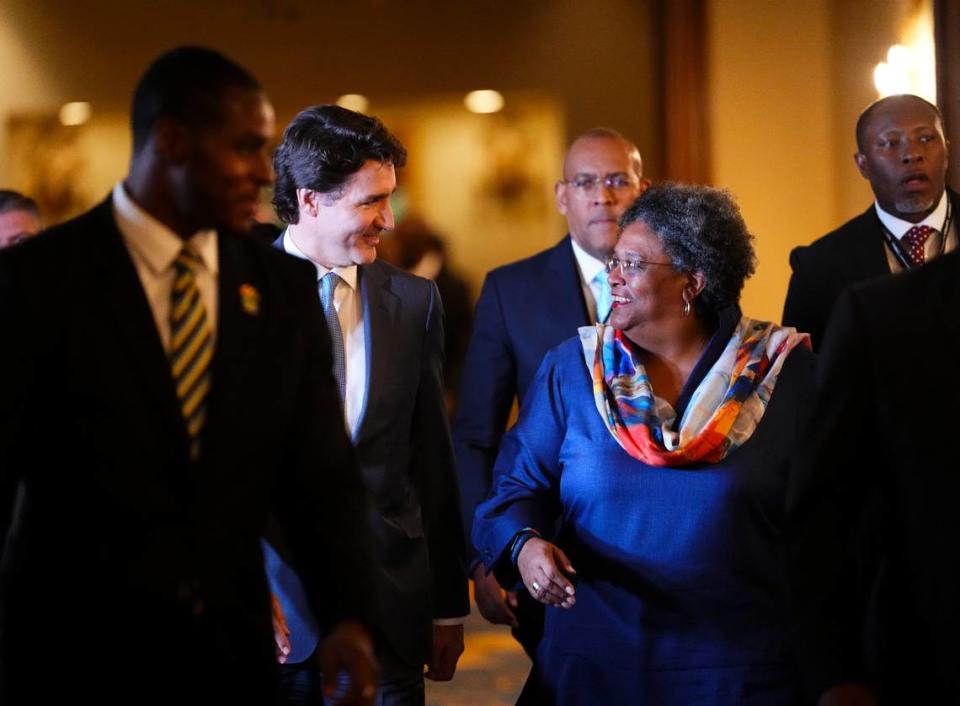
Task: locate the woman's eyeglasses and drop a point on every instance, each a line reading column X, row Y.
column 628, row 267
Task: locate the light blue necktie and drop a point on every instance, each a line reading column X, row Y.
column 328, row 285
column 605, row 299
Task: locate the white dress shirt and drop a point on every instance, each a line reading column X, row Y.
column 588, row 266
column 349, row 305
column 936, row 220
column 153, row 248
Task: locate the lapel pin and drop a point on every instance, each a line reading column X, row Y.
column 250, row 299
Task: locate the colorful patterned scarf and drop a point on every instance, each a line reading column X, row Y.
column 723, row 411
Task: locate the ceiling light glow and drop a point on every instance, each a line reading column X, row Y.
column 486, row 101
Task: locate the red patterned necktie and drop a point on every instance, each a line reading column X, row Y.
column 913, row 242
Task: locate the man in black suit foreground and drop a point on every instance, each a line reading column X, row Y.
column 165, row 383
column 902, row 152
column 885, row 422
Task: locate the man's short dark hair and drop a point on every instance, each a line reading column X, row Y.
column 15, row 201
column 864, row 120
column 322, row 148
column 187, row 84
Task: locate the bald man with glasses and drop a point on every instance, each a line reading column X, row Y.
column 525, row 309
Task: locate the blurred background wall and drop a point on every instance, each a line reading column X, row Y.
column 758, row 96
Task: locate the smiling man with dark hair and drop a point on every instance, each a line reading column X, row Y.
column 902, row 152
column 336, row 172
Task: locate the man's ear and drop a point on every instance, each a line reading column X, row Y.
column 172, row 141
column 644, row 184
column 861, row 159
column 309, row 202
column 561, row 193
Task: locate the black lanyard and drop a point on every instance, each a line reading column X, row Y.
column 897, row 248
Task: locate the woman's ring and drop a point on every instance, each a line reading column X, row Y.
column 535, row 586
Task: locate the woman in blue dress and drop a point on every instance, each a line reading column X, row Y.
column 641, row 493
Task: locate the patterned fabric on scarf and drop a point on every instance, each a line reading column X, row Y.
column 723, row 411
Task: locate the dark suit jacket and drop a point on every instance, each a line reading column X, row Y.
column 126, row 565
column 853, row 253
column 525, row 309
column 403, row 447
column 885, row 420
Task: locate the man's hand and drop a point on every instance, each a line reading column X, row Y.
column 349, row 648
column 447, row 648
column 542, row 566
column 281, row 632
column 494, row 603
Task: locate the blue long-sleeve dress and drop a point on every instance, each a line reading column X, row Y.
column 680, row 593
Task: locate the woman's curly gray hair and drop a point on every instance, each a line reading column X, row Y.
column 700, row 229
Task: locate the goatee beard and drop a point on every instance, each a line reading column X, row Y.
column 915, row 204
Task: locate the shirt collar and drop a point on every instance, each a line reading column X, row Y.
column 347, row 274
column 899, row 227
column 588, row 265
column 157, row 245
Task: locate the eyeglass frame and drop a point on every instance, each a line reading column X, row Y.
column 631, row 266
column 595, row 181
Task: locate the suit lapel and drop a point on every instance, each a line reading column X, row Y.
column 867, row 256
column 121, row 297
column 381, row 307
column 564, row 292
column 238, row 321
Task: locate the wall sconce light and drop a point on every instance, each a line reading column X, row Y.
column 911, row 65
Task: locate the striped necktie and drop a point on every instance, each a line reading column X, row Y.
column 328, row 285
column 191, row 346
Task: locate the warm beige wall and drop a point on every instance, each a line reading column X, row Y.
column 787, row 81
column 28, row 82
column 772, row 139
column 484, row 181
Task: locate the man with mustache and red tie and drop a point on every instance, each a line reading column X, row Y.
column 902, row 152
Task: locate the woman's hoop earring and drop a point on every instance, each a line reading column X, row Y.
column 686, row 307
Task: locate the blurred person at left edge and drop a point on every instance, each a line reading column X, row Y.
column 163, row 396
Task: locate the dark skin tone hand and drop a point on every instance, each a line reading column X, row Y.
column 349, row 648
column 544, row 569
column 495, row 604
column 447, row 648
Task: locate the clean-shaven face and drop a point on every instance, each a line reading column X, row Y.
column 346, row 230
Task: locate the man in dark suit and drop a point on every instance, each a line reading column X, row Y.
column 885, row 418
column 335, row 176
column 902, row 152
column 161, row 394
column 525, row 309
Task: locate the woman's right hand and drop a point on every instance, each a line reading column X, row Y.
column 542, row 566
